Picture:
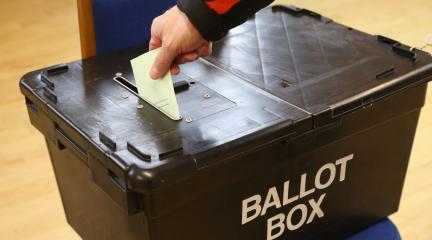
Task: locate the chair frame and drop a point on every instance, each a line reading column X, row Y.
column 86, row 28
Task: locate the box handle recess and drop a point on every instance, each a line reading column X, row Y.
column 64, row 141
column 31, row 105
column 112, row 180
column 119, row 182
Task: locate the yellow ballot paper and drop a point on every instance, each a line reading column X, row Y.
column 159, row 93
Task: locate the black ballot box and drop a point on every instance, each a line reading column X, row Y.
column 296, row 127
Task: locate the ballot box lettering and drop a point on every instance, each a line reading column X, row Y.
column 253, row 209
column 296, row 127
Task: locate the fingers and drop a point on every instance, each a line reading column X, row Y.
column 154, row 43
column 187, row 57
column 163, row 62
column 166, row 58
column 205, row 50
column 175, row 69
column 209, row 49
column 156, row 34
column 179, row 42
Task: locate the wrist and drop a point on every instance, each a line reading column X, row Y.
column 189, row 24
column 205, row 20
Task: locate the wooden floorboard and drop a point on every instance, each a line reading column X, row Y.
column 39, row 33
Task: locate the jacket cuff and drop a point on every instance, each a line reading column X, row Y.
column 208, row 23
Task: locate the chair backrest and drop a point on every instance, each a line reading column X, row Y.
column 110, row 25
column 87, row 36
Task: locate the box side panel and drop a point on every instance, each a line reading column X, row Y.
column 227, row 172
column 89, row 210
column 341, row 180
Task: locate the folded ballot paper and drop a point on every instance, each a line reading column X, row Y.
column 159, row 93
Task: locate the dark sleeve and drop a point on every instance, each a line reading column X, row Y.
column 214, row 18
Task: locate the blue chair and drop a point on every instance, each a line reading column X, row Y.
column 110, row 25
column 384, row 230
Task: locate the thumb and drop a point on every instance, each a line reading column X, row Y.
column 162, row 62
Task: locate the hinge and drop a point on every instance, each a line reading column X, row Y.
column 399, row 48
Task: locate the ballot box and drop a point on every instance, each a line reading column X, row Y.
column 296, row 127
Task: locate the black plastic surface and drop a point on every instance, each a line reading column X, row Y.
column 281, row 74
column 323, row 62
column 285, row 94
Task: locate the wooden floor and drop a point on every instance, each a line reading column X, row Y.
column 38, row 33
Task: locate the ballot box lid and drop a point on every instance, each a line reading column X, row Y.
column 282, row 73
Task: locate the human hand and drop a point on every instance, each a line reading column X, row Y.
column 179, row 42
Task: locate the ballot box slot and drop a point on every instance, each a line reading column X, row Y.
column 126, row 84
column 179, row 86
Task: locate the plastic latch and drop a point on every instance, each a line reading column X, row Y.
column 405, row 51
column 181, row 86
column 45, row 79
column 387, row 40
column 48, row 93
column 107, row 141
column 148, row 152
column 295, row 11
column 137, row 152
column 58, row 69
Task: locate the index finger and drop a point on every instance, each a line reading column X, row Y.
column 154, row 43
column 162, row 62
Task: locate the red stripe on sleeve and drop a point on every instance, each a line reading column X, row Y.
column 221, row 6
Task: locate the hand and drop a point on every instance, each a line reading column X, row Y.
column 179, row 40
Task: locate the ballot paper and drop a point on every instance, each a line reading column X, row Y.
column 159, row 93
